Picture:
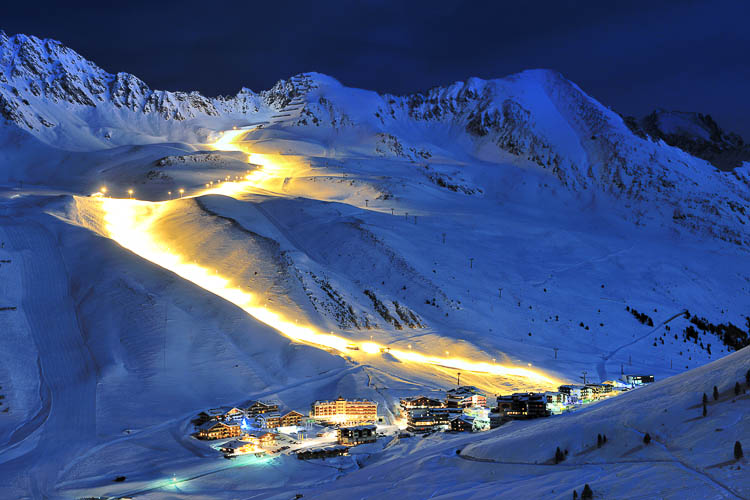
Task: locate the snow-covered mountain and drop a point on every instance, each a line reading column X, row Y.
column 695, row 133
column 516, row 220
column 60, row 98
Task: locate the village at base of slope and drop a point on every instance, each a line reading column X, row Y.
column 258, row 426
column 465, row 408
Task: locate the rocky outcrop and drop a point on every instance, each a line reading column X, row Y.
column 537, row 116
column 694, row 133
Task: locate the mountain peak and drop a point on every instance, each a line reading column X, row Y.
column 694, row 133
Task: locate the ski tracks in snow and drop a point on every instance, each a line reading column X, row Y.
column 66, row 366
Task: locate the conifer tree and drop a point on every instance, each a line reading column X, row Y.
column 598, row 440
column 587, row 494
column 737, row 389
column 716, row 394
column 738, row 450
column 647, row 438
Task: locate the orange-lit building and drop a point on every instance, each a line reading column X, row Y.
column 345, row 412
column 218, row 430
column 291, row 418
column 249, row 443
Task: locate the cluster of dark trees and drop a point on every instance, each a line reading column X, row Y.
column 737, row 390
column 382, row 310
column 730, row 334
column 644, row 318
column 600, row 440
column 586, row 494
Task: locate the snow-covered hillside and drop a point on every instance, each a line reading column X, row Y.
column 515, row 223
column 68, row 102
column 689, row 456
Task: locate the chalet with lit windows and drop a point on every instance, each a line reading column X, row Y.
column 221, row 414
column 496, row 419
column 234, row 415
column 239, row 447
column 328, row 451
column 428, row 419
column 214, row 429
column 255, row 408
column 557, row 398
column 638, row 379
column 249, row 443
column 573, row 392
column 557, row 402
column 419, row 403
column 291, row 418
column 523, row 405
column 344, row 412
column 599, row 391
column 270, row 420
column 462, row 423
column 358, row 434
column 587, row 393
column 465, row 396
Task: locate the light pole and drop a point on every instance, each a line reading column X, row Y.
column 170, row 194
column 181, row 192
column 104, row 190
column 130, row 193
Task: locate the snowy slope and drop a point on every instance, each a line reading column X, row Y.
column 689, row 457
column 70, row 103
column 515, row 221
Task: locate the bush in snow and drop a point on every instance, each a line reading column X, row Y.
column 647, row 438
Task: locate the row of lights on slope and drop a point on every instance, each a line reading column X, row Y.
column 103, row 192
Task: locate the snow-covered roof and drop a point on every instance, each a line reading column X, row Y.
column 359, row 427
column 213, row 423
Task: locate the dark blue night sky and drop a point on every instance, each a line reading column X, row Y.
column 633, row 56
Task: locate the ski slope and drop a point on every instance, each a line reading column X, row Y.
column 499, row 229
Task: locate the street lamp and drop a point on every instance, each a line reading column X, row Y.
column 104, row 190
column 170, row 194
column 181, row 192
column 130, row 192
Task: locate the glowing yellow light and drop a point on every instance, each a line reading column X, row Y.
column 227, row 140
column 130, row 223
column 103, row 190
column 370, row 347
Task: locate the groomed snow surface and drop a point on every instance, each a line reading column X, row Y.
column 508, row 222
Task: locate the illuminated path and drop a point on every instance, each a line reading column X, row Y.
column 130, row 223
